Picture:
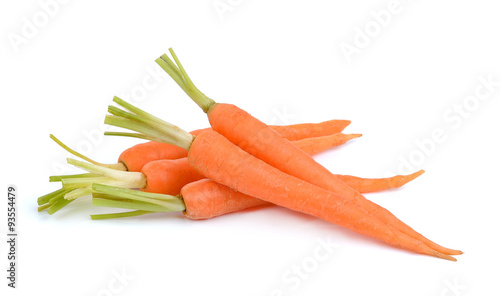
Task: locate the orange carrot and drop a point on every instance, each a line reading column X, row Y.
column 366, row 185
column 214, row 156
column 207, row 199
column 203, row 199
column 223, row 162
column 169, row 176
column 256, row 138
column 134, row 158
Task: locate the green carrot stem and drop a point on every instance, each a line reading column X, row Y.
column 170, row 202
column 118, row 166
column 132, row 135
column 130, row 179
column 131, row 205
column 74, row 183
column 179, row 75
column 154, row 130
column 59, row 178
column 145, row 129
column 160, row 202
column 83, row 191
column 45, row 198
column 43, row 207
column 58, row 205
column 145, row 123
column 119, row 215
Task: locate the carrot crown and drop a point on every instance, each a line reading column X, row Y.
column 78, row 185
column 179, row 75
column 147, row 126
column 140, row 202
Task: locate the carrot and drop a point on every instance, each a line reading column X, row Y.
column 134, row 158
column 256, row 138
column 203, row 199
column 295, row 132
column 214, row 156
column 366, row 185
column 169, row 176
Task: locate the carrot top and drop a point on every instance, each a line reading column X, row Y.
column 139, row 201
column 179, row 75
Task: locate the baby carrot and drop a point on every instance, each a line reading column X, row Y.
column 214, row 156
column 256, row 138
column 135, row 157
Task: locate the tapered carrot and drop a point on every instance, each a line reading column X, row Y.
column 256, row 138
column 134, row 158
column 300, row 131
column 366, row 185
column 169, row 176
column 214, row 156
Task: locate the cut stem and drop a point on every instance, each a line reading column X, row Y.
column 110, row 196
column 132, row 179
column 119, row 215
column 117, row 166
column 59, row 178
column 146, row 125
column 179, row 75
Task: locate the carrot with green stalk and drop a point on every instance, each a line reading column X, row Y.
column 203, row 199
column 256, row 138
column 168, row 176
column 214, row 156
column 134, row 158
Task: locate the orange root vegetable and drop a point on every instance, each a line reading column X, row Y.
column 223, row 162
column 214, row 156
column 203, row 199
column 134, row 158
column 207, row 199
column 366, row 185
column 169, row 176
column 256, row 138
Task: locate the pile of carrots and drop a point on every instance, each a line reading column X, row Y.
column 237, row 163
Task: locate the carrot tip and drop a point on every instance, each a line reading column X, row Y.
column 443, row 256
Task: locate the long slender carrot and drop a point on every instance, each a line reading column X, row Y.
column 256, row 138
column 214, row 156
column 135, row 157
column 169, row 176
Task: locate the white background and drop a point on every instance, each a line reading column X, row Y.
column 283, row 62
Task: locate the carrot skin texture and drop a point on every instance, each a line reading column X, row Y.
column 134, row 158
column 317, row 145
column 367, row 185
column 169, row 176
column 259, row 140
column 218, row 159
column 207, row 199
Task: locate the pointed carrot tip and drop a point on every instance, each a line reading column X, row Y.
column 443, row 256
column 356, row 135
column 413, row 176
column 455, row 252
